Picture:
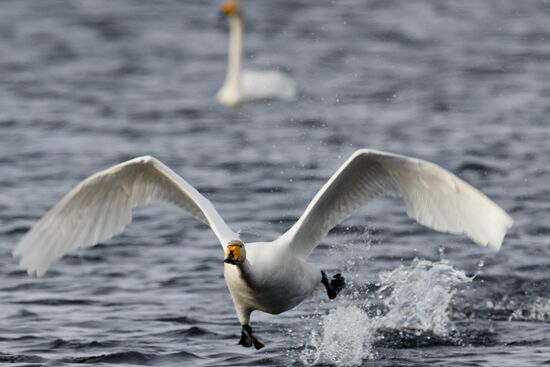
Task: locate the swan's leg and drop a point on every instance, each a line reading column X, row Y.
column 248, row 339
column 334, row 286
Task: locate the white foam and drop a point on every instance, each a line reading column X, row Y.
column 416, row 296
column 420, row 295
column 345, row 340
column 536, row 310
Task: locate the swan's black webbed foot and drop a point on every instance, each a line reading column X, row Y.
column 248, row 339
column 334, row 286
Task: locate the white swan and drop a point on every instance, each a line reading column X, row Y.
column 248, row 85
column 268, row 276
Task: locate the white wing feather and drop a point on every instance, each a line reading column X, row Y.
column 101, row 206
column 433, row 197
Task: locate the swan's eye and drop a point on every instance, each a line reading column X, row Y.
column 229, row 7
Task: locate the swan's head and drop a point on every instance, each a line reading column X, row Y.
column 230, row 8
column 235, row 253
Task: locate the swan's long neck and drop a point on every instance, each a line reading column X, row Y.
column 245, row 271
column 235, row 51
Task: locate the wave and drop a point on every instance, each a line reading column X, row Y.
column 134, row 357
column 11, row 358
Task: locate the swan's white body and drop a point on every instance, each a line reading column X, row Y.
column 248, row 85
column 271, row 280
column 274, row 276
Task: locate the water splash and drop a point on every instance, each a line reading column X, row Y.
column 346, row 338
column 414, row 297
column 419, row 295
column 536, row 310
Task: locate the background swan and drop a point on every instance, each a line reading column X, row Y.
column 248, row 85
column 269, row 276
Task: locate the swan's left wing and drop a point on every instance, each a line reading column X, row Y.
column 433, row 196
column 101, row 206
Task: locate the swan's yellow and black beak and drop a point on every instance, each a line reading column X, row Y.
column 229, row 8
column 233, row 253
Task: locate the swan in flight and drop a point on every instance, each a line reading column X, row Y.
column 272, row 277
column 247, row 85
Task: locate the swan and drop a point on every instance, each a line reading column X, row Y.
column 272, row 277
column 248, row 85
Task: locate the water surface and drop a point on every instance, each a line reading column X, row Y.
column 87, row 84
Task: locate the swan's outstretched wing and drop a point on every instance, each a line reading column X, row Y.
column 101, row 206
column 433, row 196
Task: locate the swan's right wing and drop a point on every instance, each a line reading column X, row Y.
column 101, row 206
column 433, row 197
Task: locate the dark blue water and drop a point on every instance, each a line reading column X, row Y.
column 87, row 84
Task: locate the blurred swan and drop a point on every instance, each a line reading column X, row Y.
column 248, row 85
column 268, row 276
